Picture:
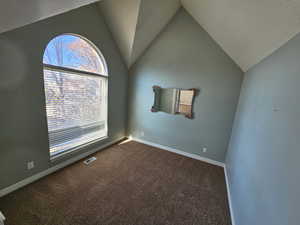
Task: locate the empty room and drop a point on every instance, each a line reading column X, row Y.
column 149, row 112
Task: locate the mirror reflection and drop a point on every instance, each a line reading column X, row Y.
column 174, row 101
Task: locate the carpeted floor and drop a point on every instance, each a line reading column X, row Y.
column 129, row 184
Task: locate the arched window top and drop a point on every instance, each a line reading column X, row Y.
column 74, row 52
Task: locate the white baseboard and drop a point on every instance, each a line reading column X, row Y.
column 53, row 169
column 2, row 218
column 229, row 197
column 194, row 156
column 180, row 152
column 40, row 175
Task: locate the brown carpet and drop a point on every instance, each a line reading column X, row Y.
column 129, row 184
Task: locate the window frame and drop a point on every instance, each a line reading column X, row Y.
column 54, row 157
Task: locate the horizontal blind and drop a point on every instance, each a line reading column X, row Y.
column 76, row 109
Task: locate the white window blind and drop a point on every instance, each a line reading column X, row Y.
column 76, row 107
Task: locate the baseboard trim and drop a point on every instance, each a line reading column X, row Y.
column 229, row 197
column 53, row 169
column 2, row 218
column 180, row 152
column 40, row 175
column 194, row 156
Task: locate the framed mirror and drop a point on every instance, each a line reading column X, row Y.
column 174, row 100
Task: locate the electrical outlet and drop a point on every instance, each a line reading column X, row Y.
column 30, row 165
column 204, row 149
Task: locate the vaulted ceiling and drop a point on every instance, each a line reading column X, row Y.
column 136, row 23
column 17, row 13
column 247, row 30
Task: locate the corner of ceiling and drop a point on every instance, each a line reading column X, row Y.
column 134, row 24
column 192, row 14
column 121, row 18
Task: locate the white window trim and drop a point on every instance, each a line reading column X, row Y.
column 79, row 148
column 73, row 71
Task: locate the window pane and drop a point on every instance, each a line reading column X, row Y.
column 74, row 52
column 76, row 109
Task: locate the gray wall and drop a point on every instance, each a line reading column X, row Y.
column 263, row 158
column 23, row 130
column 184, row 56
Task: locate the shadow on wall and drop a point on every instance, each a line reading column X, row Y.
column 24, row 136
column 263, row 157
column 9, row 82
column 13, row 15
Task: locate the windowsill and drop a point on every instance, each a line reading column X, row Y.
column 60, row 156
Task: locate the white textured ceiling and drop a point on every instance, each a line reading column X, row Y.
column 17, row 13
column 248, row 30
column 154, row 15
column 136, row 23
column 121, row 16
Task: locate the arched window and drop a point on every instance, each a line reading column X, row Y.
column 75, row 81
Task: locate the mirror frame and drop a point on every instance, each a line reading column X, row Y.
column 156, row 90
